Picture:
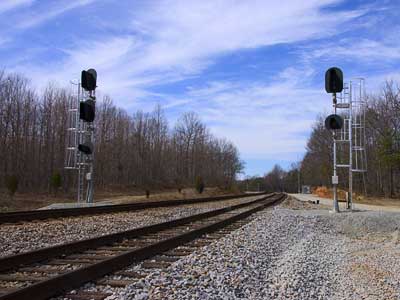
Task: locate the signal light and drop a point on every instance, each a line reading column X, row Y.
column 88, row 79
column 334, row 122
column 87, row 110
column 86, row 148
column 334, row 80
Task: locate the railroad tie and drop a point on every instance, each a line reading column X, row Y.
column 87, row 256
column 42, row 269
column 61, row 262
column 155, row 264
column 165, row 258
column 115, row 248
column 132, row 274
column 4, row 291
column 21, row 277
column 177, row 253
column 115, row 282
column 103, row 252
column 88, row 296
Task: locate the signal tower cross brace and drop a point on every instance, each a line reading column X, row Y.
column 80, row 135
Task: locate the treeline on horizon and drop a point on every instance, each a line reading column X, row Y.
column 133, row 150
column 382, row 153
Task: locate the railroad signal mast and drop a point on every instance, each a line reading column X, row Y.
column 80, row 135
column 348, row 128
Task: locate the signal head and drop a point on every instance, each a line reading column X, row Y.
column 333, row 80
column 86, row 148
column 89, row 79
column 334, row 122
column 87, row 110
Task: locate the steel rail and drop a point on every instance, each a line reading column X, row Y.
column 30, row 215
column 12, row 261
column 73, row 279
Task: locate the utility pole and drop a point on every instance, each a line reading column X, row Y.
column 334, row 122
column 335, row 179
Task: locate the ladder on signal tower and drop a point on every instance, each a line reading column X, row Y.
column 76, row 131
column 352, row 105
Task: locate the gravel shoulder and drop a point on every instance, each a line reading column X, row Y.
column 294, row 251
column 17, row 238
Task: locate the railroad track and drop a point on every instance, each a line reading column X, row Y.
column 30, row 215
column 52, row 271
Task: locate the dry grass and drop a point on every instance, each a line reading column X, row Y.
column 167, row 195
column 378, row 201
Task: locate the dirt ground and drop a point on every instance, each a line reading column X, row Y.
column 379, row 201
column 373, row 201
column 27, row 201
column 325, row 192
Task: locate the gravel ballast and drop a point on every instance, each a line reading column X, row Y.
column 288, row 252
column 17, row 238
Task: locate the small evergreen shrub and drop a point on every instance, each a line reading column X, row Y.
column 12, row 184
column 199, row 184
column 55, row 181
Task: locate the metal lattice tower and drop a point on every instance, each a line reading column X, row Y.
column 351, row 138
column 79, row 132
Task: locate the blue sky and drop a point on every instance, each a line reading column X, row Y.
column 252, row 70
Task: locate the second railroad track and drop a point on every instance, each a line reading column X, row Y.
column 31, row 215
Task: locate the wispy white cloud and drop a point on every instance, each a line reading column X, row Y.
column 178, row 39
column 360, row 49
column 186, row 35
column 26, row 14
column 34, row 18
column 4, row 40
column 9, row 5
column 265, row 120
column 169, row 41
column 375, row 83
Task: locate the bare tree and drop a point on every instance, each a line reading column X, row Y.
column 135, row 149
